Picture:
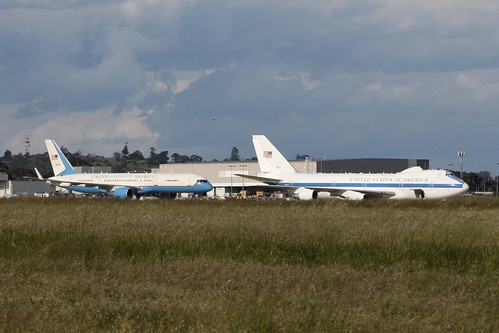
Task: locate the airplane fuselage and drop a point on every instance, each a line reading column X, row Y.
column 431, row 184
column 144, row 182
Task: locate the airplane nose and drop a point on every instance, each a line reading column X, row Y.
column 206, row 187
column 466, row 187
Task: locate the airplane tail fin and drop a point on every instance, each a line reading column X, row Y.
column 60, row 164
column 269, row 158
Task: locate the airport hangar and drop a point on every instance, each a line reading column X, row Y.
column 222, row 175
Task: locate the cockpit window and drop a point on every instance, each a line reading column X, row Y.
column 454, row 177
column 201, row 181
column 449, row 173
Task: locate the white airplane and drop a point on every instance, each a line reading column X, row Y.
column 121, row 185
column 412, row 183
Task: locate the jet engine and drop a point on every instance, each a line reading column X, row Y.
column 123, row 193
column 353, row 195
column 304, row 194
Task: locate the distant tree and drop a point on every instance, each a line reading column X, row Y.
column 7, row 154
column 20, row 173
column 473, row 180
column 77, row 160
column 234, row 154
column 302, row 157
column 4, row 168
column 485, row 179
column 65, row 151
column 117, row 156
column 125, row 151
column 177, row 158
column 196, row 159
column 152, row 153
column 123, row 165
column 136, row 155
column 184, row 159
column 162, row 157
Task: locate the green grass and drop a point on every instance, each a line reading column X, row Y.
column 82, row 264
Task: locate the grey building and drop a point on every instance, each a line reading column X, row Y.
column 10, row 188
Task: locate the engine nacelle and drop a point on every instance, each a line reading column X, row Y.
column 353, row 195
column 304, row 194
column 123, row 193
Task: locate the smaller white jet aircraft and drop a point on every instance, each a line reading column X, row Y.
column 412, row 183
column 121, row 185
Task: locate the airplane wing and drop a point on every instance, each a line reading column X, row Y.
column 338, row 191
column 335, row 191
column 107, row 187
column 265, row 180
column 369, row 193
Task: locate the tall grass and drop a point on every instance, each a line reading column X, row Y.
column 252, row 266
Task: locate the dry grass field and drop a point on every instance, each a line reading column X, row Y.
column 120, row 265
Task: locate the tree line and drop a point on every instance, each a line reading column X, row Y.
column 21, row 166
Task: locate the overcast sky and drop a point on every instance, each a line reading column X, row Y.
column 330, row 78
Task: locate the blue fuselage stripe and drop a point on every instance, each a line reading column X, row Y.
column 372, row 185
column 92, row 190
column 197, row 188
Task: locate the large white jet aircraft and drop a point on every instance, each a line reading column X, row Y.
column 412, row 183
column 121, row 185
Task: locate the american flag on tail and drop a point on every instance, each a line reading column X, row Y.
column 267, row 154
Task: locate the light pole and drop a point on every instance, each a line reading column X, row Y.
column 230, row 168
column 461, row 155
column 243, row 166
